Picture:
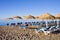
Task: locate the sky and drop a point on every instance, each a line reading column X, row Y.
column 10, row 8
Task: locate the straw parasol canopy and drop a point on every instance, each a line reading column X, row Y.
column 29, row 17
column 9, row 18
column 37, row 17
column 17, row 17
column 57, row 16
column 46, row 16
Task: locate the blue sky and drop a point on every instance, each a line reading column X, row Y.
column 10, row 8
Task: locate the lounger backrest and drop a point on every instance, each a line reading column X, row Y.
column 52, row 27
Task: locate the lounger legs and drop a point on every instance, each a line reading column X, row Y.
column 47, row 32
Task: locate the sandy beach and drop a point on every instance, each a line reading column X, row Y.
column 16, row 33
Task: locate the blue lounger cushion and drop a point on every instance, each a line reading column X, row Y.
column 52, row 27
column 38, row 29
column 45, row 29
column 22, row 26
column 57, row 27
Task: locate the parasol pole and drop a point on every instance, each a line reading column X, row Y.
column 57, row 22
column 46, row 23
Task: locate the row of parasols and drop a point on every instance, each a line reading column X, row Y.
column 44, row 16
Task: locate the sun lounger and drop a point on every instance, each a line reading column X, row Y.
column 52, row 27
column 22, row 26
column 44, row 30
column 38, row 30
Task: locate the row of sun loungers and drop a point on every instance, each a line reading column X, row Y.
column 52, row 25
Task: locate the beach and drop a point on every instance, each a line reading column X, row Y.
column 29, row 19
column 16, row 33
column 46, row 27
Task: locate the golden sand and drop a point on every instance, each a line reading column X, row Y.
column 16, row 33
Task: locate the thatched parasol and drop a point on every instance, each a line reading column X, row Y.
column 29, row 17
column 9, row 18
column 17, row 17
column 41, row 17
column 46, row 16
column 37, row 17
column 57, row 16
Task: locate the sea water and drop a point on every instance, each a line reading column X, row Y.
column 3, row 22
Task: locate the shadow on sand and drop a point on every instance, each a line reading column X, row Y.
column 56, row 32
